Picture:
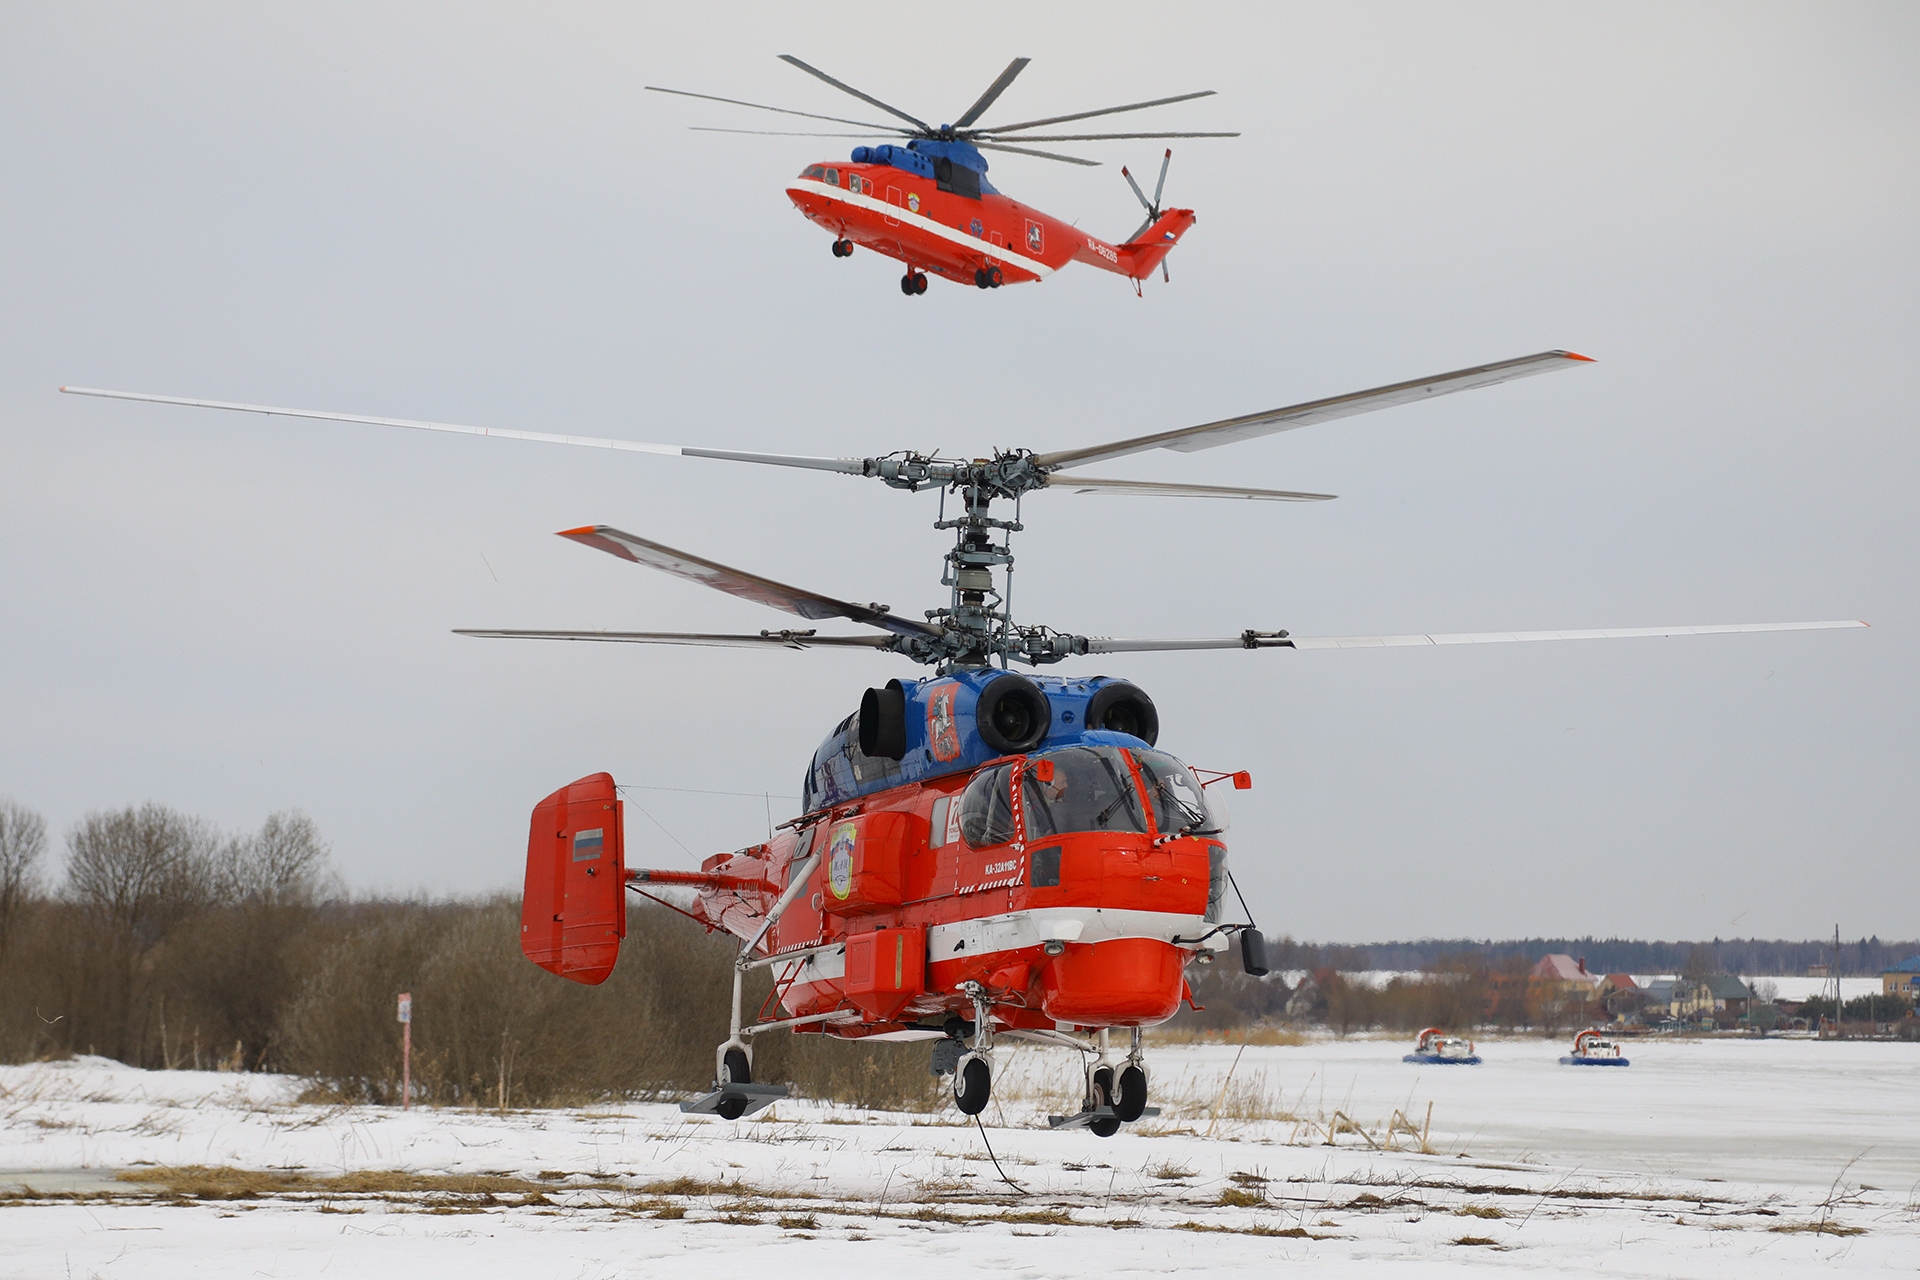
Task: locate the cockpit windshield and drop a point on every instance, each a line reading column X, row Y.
column 1092, row 789
column 1179, row 803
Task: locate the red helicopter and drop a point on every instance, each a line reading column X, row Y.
column 980, row 855
column 925, row 198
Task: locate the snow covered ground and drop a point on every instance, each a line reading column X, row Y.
column 1704, row 1158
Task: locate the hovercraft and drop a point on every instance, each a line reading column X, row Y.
column 1439, row 1050
column 1590, row 1050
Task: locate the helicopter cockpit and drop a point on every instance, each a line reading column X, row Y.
column 1088, row 789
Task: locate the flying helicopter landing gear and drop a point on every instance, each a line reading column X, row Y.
column 913, row 283
column 987, row 278
column 973, row 1074
column 843, row 248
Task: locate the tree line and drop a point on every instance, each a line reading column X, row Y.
column 164, row 942
column 1777, row 957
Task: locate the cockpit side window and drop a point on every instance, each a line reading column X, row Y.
column 986, row 808
column 832, row 178
column 1179, row 803
column 815, row 171
column 1092, row 789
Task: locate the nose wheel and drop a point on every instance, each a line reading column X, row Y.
column 1130, row 1097
column 913, row 283
column 1114, row 1097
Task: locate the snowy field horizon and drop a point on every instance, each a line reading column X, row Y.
column 1707, row 1157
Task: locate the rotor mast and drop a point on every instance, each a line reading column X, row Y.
column 978, row 619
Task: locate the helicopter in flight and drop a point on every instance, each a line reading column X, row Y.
column 982, row 855
column 923, row 197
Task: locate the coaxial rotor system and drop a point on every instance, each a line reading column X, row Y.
column 976, row 627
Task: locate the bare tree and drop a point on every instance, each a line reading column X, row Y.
column 137, row 870
column 285, row 863
column 23, row 839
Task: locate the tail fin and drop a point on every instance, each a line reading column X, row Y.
column 1140, row 255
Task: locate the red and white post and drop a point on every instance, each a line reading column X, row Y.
column 406, row 1050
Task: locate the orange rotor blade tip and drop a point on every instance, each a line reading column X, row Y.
column 1575, row 355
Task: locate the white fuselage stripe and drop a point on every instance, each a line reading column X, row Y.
column 900, row 213
column 1021, row 930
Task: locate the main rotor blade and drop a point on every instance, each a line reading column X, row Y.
column 994, row 90
column 1028, row 151
column 1227, row 431
column 1161, row 185
column 1156, row 489
column 765, row 640
column 869, row 99
column 1104, row 111
column 785, row 111
column 1138, row 194
column 1105, row 137
column 778, row 133
column 845, row 466
column 736, row 582
column 1281, row 640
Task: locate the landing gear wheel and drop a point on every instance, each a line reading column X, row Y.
column 993, row 277
column 919, row 282
column 1131, row 1100
column 906, row 284
column 843, row 248
column 982, row 280
column 734, row 1068
column 1100, row 1094
column 972, row 1085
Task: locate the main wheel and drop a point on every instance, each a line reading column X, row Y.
column 982, row 280
column 843, row 248
column 906, row 284
column 1131, row 1098
column 993, row 277
column 919, row 282
column 972, row 1085
column 734, row 1068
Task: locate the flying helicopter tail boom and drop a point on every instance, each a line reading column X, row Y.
column 1140, row 255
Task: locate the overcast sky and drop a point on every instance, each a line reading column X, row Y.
column 475, row 214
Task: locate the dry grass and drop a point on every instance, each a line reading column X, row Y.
column 200, row 1182
column 1241, row 1198
column 1480, row 1240
column 1818, row 1228
column 1281, row 1233
column 1480, row 1211
column 1167, row 1171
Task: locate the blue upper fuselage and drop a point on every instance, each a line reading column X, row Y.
column 928, row 157
column 942, row 736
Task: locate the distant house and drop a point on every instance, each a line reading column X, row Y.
column 1622, row 998
column 1730, row 995
column 1563, row 972
column 1903, row 979
column 1680, row 999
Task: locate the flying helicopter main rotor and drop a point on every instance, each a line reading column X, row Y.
column 977, row 626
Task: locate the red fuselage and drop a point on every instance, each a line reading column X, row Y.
column 906, row 216
column 1078, row 929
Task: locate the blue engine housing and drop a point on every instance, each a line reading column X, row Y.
column 936, row 728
